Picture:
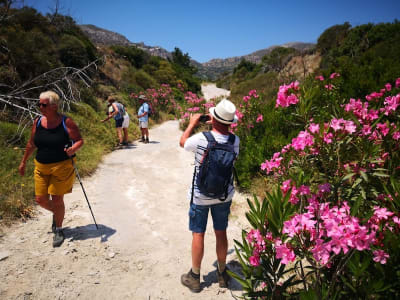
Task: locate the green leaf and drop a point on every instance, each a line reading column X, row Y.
column 364, row 176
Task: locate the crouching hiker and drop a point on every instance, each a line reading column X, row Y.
column 212, row 187
column 117, row 111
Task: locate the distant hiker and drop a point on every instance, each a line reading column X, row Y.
column 125, row 126
column 143, row 115
column 117, row 111
column 206, row 192
column 54, row 172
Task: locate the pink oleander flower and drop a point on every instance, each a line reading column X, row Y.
column 246, row 98
column 397, row 84
column 381, row 213
column 380, row 256
column 314, row 128
column 253, row 93
column 286, row 185
column 396, row 135
column 254, row 261
column 303, row 140
column 274, row 163
column 388, row 87
column 334, row 75
column 329, row 87
column 336, row 124
column 328, row 137
column 284, row 253
column 293, row 196
column 259, row 118
column 284, row 97
column 320, row 78
column 366, row 130
column 349, row 126
column 382, row 127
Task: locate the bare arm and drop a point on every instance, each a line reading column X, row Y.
column 193, row 122
column 74, row 134
column 30, row 148
column 111, row 114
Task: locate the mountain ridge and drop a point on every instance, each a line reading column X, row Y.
column 207, row 70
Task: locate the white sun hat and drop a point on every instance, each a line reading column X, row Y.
column 224, row 112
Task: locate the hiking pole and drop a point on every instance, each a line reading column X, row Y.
column 83, row 189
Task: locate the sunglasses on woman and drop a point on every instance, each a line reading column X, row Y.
column 42, row 104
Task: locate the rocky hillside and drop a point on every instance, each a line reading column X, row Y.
column 100, row 36
column 208, row 70
column 216, row 67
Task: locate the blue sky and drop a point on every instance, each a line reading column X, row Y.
column 222, row 28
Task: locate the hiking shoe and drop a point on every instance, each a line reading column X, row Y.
column 53, row 225
column 147, row 141
column 58, row 238
column 191, row 281
column 142, row 139
column 223, row 278
column 125, row 144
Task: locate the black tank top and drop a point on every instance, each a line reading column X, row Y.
column 50, row 143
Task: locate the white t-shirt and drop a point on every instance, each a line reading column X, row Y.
column 197, row 144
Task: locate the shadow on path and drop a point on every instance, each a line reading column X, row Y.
column 211, row 277
column 89, row 231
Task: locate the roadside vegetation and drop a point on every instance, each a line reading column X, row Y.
column 32, row 45
column 319, row 145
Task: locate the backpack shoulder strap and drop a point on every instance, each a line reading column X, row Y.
column 210, row 138
column 38, row 120
column 64, row 118
column 231, row 139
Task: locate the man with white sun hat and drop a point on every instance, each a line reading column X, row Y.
column 221, row 117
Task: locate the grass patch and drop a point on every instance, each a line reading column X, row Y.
column 17, row 193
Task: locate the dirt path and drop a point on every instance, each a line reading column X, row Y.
column 138, row 196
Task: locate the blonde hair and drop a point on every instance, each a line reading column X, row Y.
column 51, row 96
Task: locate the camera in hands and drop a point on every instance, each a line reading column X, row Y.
column 204, row 118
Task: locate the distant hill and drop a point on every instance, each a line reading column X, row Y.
column 102, row 36
column 215, row 67
column 208, row 70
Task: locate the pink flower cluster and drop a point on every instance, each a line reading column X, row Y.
column 285, row 95
column 323, row 232
column 331, row 231
column 274, row 163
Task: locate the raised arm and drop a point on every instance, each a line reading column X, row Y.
column 193, row 122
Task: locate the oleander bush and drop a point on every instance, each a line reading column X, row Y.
column 330, row 228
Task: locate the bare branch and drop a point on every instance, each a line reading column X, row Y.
column 66, row 81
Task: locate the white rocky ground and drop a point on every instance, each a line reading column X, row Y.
column 142, row 247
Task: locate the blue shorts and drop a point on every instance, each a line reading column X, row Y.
column 118, row 123
column 198, row 215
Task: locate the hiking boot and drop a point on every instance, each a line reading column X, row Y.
column 53, row 225
column 142, row 139
column 192, row 281
column 146, row 141
column 58, row 238
column 223, row 278
column 125, row 144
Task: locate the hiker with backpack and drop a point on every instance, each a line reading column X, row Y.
column 54, row 174
column 117, row 111
column 212, row 187
column 143, row 116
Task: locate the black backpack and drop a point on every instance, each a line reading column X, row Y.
column 216, row 168
column 150, row 112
